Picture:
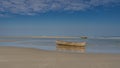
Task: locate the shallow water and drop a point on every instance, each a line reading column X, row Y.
column 93, row 45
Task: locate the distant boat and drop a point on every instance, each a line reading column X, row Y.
column 81, row 44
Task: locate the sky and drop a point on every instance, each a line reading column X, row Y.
column 59, row 17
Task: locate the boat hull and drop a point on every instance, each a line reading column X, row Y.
column 82, row 44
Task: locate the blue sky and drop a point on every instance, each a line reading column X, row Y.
column 59, row 17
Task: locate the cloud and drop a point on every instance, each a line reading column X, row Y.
column 104, row 2
column 1, row 15
column 32, row 7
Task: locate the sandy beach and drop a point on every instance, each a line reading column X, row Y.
column 13, row 57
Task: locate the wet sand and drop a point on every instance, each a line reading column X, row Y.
column 8, row 40
column 13, row 57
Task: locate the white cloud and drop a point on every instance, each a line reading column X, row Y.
column 4, row 15
column 104, row 2
column 1, row 15
column 32, row 7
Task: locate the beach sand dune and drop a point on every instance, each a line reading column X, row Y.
column 13, row 57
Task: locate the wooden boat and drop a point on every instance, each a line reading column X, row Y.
column 84, row 37
column 82, row 44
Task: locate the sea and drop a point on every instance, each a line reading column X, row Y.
column 94, row 45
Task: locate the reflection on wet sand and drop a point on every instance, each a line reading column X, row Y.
column 70, row 48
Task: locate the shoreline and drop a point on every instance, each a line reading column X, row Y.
column 18, row 57
column 40, row 37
